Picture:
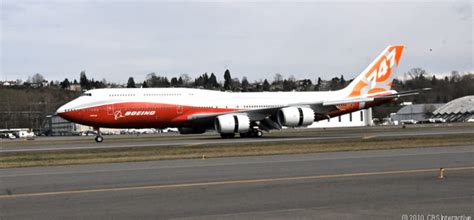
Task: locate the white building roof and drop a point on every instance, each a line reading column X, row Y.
column 460, row 105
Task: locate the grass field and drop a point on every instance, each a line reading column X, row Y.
column 198, row 151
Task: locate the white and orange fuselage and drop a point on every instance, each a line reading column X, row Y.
column 198, row 108
column 173, row 107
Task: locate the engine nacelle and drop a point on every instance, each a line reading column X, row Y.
column 191, row 130
column 229, row 124
column 295, row 116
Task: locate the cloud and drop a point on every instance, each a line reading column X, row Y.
column 464, row 9
column 118, row 39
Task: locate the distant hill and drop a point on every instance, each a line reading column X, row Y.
column 23, row 107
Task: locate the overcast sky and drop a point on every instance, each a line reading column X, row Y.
column 118, row 39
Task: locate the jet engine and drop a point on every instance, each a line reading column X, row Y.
column 295, row 116
column 230, row 124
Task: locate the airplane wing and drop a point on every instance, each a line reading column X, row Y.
column 263, row 113
column 254, row 114
column 374, row 98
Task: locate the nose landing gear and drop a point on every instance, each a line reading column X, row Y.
column 98, row 137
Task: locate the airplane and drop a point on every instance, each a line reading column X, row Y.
column 194, row 111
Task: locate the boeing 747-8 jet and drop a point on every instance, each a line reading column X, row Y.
column 194, row 111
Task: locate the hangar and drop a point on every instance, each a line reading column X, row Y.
column 416, row 113
column 458, row 110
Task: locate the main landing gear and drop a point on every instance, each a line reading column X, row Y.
column 248, row 134
column 231, row 135
column 252, row 133
column 98, row 137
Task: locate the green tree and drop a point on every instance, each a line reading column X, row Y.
column 278, row 82
column 335, row 84
column 205, row 80
column 131, row 83
column 227, row 80
column 157, row 81
column 319, row 82
column 235, row 84
column 434, row 81
column 201, row 81
column 37, row 79
column 212, row 82
column 266, row 85
column 342, row 81
column 84, row 82
column 65, row 84
column 305, row 85
column 97, row 84
column 289, row 84
column 174, row 82
column 186, row 80
column 245, row 84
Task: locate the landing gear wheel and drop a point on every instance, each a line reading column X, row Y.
column 251, row 134
column 232, row 135
column 244, row 135
column 255, row 133
column 99, row 139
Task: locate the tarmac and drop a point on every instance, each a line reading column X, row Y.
column 379, row 184
column 127, row 141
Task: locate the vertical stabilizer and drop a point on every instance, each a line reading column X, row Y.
column 378, row 76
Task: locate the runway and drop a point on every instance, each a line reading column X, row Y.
column 74, row 143
column 382, row 184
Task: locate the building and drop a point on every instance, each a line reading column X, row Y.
column 54, row 125
column 415, row 113
column 353, row 119
column 458, row 110
column 8, row 83
column 74, row 87
column 16, row 133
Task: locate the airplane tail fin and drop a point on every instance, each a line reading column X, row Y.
column 378, row 76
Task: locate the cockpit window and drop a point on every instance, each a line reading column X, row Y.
column 86, row 94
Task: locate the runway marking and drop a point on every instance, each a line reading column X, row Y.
column 231, row 164
column 194, row 144
column 368, row 137
column 232, row 182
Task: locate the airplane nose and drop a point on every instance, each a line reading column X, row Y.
column 66, row 110
column 70, row 111
column 70, row 114
column 61, row 110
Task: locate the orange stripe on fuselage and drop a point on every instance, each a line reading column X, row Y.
column 138, row 115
